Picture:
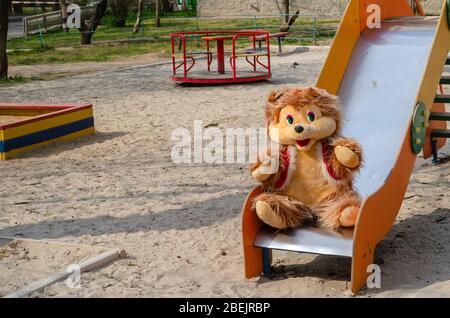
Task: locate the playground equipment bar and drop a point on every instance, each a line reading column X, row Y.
column 387, row 110
column 234, row 35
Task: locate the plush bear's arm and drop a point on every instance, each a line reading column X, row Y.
column 346, row 157
column 257, row 172
column 265, row 169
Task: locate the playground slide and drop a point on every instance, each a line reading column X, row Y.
column 381, row 76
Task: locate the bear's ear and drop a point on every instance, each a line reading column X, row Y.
column 321, row 96
column 275, row 95
column 314, row 91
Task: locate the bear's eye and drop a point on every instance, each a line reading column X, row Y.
column 290, row 119
column 311, row 116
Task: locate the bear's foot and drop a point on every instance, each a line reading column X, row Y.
column 268, row 215
column 280, row 211
column 348, row 216
column 341, row 211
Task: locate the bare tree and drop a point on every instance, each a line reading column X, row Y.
column 140, row 12
column 88, row 27
column 63, row 4
column 42, row 5
column 18, row 9
column 158, row 13
column 4, row 13
column 288, row 20
column 119, row 10
column 166, row 6
column 286, row 10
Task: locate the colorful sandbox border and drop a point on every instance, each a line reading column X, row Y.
column 52, row 123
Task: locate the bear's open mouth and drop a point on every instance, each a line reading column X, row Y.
column 303, row 143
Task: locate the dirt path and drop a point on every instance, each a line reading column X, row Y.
column 50, row 71
column 69, row 69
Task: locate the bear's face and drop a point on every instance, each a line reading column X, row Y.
column 302, row 127
column 302, row 117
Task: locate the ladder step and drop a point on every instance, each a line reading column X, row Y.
column 442, row 99
column 440, row 133
column 440, row 116
column 445, row 80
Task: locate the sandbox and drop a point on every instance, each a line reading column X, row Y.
column 25, row 127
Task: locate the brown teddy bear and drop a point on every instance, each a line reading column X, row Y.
column 314, row 165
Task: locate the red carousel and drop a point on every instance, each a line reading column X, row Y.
column 257, row 57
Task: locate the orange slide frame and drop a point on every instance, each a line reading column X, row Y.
column 379, row 211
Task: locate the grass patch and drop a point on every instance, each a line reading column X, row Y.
column 94, row 53
column 148, row 14
column 65, row 47
column 16, row 79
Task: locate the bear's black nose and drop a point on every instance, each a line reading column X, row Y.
column 299, row 129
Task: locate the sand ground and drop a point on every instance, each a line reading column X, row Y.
column 180, row 224
column 51, row 71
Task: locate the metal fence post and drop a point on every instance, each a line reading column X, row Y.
column 315, row 30
column 44, row 22
column 25, row 26
column 142, row 27
column 41, row 38
column 197, row 29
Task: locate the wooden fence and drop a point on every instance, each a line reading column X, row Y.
column 51, row 20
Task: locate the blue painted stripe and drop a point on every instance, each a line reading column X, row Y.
column 44, row 135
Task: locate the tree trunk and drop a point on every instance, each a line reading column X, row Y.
column 166, row 6
column 4, row 13
column 184, row 5
column 63, row 5
column 286, row 11
column 137, row 25
column 285, row 28
column 88, row 28
column 158, row 13
column 18, row 9
column 119, row 10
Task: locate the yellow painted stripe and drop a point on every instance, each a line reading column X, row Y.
column 78, row 134
column 341, row 51
column 40, row 125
